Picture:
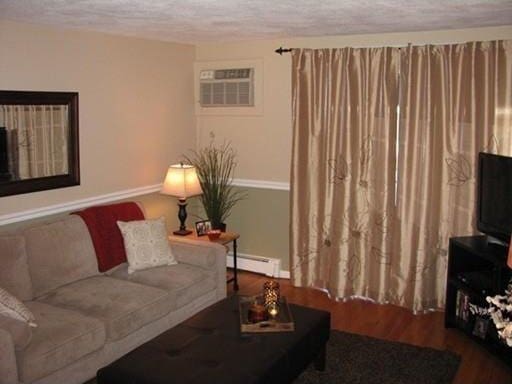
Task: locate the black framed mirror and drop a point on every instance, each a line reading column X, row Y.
column 38, row 141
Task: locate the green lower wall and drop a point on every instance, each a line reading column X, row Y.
column 261, row 219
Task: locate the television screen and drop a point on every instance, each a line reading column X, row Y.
column 494, row 207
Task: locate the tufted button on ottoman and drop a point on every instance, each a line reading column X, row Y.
column 209, row 348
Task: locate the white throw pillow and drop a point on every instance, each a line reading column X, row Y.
column 146, row 244
column 10, row 306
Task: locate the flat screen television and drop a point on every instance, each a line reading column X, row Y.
column 494, row 196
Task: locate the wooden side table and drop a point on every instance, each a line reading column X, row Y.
column 224, row 239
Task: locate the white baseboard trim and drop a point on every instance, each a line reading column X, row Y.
column 284, row 274
column 259, row 264
column 262, row 184
column 77, row 204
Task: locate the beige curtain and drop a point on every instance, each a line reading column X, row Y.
column 343, row 168
column 456, row 101
column 37, row 139
column 374, row 202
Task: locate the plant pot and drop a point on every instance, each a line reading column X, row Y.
column 221, row 226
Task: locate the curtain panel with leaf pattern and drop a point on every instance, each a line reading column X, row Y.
column 385, row 144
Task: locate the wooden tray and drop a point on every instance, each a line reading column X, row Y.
column 283, row 322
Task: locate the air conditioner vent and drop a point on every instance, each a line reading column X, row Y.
column 227, row 87
column 244, row 93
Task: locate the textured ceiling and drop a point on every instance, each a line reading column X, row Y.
column 192, row 21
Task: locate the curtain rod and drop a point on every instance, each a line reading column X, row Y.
column 282, row 50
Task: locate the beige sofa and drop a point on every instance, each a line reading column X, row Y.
column 87, row 319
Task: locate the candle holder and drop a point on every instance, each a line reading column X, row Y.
column 255, row 317
column 257, row 313
column 271, row 297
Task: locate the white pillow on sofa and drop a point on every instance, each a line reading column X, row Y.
column 10, row 306
column 146, row 244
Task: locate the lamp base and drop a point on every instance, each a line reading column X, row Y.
column 182, row 232
column 182, row 215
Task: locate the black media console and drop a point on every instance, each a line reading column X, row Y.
column 476, row 269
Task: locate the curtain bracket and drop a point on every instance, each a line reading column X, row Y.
column 282, row 50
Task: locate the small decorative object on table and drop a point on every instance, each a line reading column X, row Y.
column 214, row 234
column 282, row 321
column 202, row 227
column 257, row 313
column 500, row 311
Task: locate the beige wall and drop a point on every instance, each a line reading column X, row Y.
column 263, row 142
column 155, row 205
column 137, row 114
column 136, row 104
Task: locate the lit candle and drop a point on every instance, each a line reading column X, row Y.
column 273, row 309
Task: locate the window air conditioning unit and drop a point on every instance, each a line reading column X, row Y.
column 227, row 87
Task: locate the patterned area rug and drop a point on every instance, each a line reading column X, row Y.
column 354, row 359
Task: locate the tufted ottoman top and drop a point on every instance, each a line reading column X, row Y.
column 209, row 348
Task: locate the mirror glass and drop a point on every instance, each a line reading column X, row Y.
column 38, row 141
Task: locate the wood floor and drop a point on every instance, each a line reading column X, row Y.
column 393, row 323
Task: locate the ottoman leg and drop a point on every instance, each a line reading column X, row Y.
column 319, row 361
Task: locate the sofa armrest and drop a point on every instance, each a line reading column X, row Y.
column 210, row 256
column 8, row 367
column 199, row 253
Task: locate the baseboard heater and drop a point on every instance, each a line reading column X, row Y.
column 259, row 264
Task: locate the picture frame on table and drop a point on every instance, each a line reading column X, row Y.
column 202, row 227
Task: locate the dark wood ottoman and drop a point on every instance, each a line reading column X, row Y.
column 209, row 348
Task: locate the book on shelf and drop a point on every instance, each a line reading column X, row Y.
column 457, row 304
column 481, row 327
column 462, row 306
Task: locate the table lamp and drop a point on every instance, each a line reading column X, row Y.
column 181, row 181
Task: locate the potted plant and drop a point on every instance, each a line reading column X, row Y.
column 215, row 167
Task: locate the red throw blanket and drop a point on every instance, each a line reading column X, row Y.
column 106, row 236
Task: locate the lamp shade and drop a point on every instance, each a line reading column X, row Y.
column 181, row 181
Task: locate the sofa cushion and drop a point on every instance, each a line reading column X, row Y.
column 61, row 338
column 59, row 253
column 186, row 281
column 123, row 306
column 20, row 331
column 14, row 275
column 146, row 244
